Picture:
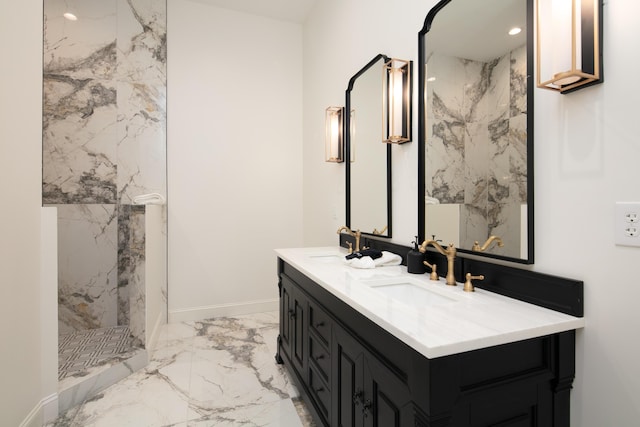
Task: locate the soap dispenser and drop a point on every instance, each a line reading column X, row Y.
column 414, row 260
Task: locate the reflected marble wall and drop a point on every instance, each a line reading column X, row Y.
column 477, row 145
column 104, row 142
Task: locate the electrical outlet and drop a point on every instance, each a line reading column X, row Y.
column 627, row 224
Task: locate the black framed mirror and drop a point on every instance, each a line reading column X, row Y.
column 367, row 158
column 475, row 133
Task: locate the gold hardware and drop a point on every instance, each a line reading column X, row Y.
column 450, row 253
column 396, row 101
column 375, row 230
column 583, row 25
column 334, row 139
column 477, row 248
column 434, row 275
column 355, row 234
column 350, row 248
column 468, row 286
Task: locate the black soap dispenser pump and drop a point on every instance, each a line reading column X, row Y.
column 415, row 260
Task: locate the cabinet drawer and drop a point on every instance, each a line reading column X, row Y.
column 320, row 392
column 320, row 322
column 320, row 357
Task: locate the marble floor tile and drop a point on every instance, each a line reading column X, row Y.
column 217, row 372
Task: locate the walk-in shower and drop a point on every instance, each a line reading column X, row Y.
column 104, row 144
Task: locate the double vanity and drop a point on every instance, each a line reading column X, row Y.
column 382, row 347
column 388, row 348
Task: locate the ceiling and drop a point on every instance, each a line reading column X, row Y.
column 285, row 10
column 478, row 30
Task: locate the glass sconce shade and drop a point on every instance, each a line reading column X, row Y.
column 334, row 146
column 569, row 43
column 396, row 107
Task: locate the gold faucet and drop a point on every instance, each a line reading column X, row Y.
column 375, row 230
column 477, row 248
column 450, row 253
column 355, row 234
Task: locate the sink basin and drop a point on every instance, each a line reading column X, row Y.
column 411, row 293
column 326, row 258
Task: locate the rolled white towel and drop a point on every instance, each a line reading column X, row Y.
column 149, row 199
column 431, row 200
column 387, row 258
column 364, row 262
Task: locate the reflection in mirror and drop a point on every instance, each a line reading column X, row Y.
column 476, row 127
column 369, row 166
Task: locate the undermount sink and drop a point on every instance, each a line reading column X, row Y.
column 410, row 293
column 326, row 257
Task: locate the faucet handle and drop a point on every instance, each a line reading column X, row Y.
column 350, row 248
column 434, row 275
column 468, row 286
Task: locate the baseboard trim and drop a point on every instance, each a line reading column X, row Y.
column 44, row 412
column 211, row 311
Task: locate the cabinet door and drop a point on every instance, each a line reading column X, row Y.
column 293, row 309
column 347, row 385
column 286, row 328
column 387, row 399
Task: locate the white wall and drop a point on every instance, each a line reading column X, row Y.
column 339, row 39
column 20, row 193
column 234, row 157
column 586, row 158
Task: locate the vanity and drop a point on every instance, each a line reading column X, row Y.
column 383, row 347
column 387, row 348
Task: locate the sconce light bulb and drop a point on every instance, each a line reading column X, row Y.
column 70, row 16
column 514, row 31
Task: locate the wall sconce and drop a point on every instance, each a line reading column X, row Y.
column 569, row 44
column 333, row 142
column 396, row 108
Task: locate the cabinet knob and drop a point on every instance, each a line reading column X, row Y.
column 319, row 389
column 319, row 357
column 357, row 397
column 366, row 407
column 319, row 324
column 292, row 314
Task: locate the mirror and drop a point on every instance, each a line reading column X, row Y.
column 476, row 126
column 367, row 158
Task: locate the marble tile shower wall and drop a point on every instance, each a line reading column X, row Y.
column 477, row 143
column 104, row 142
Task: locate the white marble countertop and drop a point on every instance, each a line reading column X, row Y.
column 455, row 322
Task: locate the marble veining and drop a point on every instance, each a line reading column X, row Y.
column 477, row 145
column 465, row 321
column 87, row 251
column 104, row 142
column 218, row 372
column 131, row 270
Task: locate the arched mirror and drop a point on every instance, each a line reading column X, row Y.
column 367, row 158
column 476, row 127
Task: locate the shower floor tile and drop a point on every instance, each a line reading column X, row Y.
column 82, row 350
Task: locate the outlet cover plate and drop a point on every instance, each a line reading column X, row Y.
column 627, row 224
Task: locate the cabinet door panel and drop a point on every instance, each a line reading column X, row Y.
column 387, row 398
column 285, row 319
column 299, row 333
column 293, row 312
column 347, row 385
